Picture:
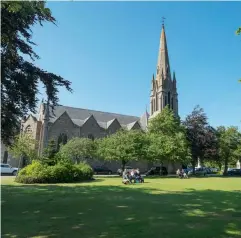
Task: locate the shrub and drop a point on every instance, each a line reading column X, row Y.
column 87, row 171
column 63, row 172
column 62, row 158
column 33, row 169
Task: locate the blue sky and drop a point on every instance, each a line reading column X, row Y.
column 108, row 50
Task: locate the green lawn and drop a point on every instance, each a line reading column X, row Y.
column 163, row 207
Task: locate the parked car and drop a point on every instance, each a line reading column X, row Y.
column 120, row 171
column 7, row 169
column 158, row 170
column 209, row 171
column 234, row 172
column 199, row 171
column 214, row 170
column 101, row 170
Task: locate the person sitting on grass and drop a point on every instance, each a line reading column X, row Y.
column 184, row 174
column 126, row 177
column 178, row 173
column 137, row 176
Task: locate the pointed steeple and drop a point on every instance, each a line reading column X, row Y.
column 163, row 59
column 174, row 80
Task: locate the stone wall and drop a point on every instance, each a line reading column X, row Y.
column 63, row 125
column 91, row 127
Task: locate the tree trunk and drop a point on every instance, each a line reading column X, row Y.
column 19, row 164
column 225, row 166
column 123, row 165
column 193, row 166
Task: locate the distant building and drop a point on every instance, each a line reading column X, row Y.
column 68, row 122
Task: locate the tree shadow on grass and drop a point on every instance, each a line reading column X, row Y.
column 90, row 211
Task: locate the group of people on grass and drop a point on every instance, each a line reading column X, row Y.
column 181, row 173
column 133, row 176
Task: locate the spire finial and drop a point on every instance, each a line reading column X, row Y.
column 163, row 21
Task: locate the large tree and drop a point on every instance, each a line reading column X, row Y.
column 24, row 149
column 79, row 149
column 165, row 123
column 20, row 76
column 163, row 148
column 229, row 145
column 167, row 138
column 123, row 146
column 201, row 136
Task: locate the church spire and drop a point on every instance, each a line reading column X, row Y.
column 174, row 81
column 163, row 59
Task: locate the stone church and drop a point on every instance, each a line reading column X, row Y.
column 69, row 122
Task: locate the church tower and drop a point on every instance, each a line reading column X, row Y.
column 163, row 84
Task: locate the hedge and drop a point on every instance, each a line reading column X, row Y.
column 38, row 172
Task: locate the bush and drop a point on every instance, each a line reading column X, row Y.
column 63, row 172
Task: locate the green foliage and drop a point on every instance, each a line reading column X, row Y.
column 165, row 123
column 20, row 76
column 24, row 147
column 49, row 153
column 229, row 145
column 38, row 172
column 79, row 149
column 123, row 146
column 167, row 139
column 34, row 168
column 173, row 148
column 62, row 158
column 238, row 32
column 201, row 136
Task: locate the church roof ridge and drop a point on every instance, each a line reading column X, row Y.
column 82, row 114
column 116, row 113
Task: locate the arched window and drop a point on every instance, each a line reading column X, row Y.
column 172, row 104
column 28, row 130
column 165, row 101
column 90, row 136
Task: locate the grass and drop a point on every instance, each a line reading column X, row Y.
column 167, row 207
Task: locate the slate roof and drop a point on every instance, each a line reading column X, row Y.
column 80, row 115
column 144, row 120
